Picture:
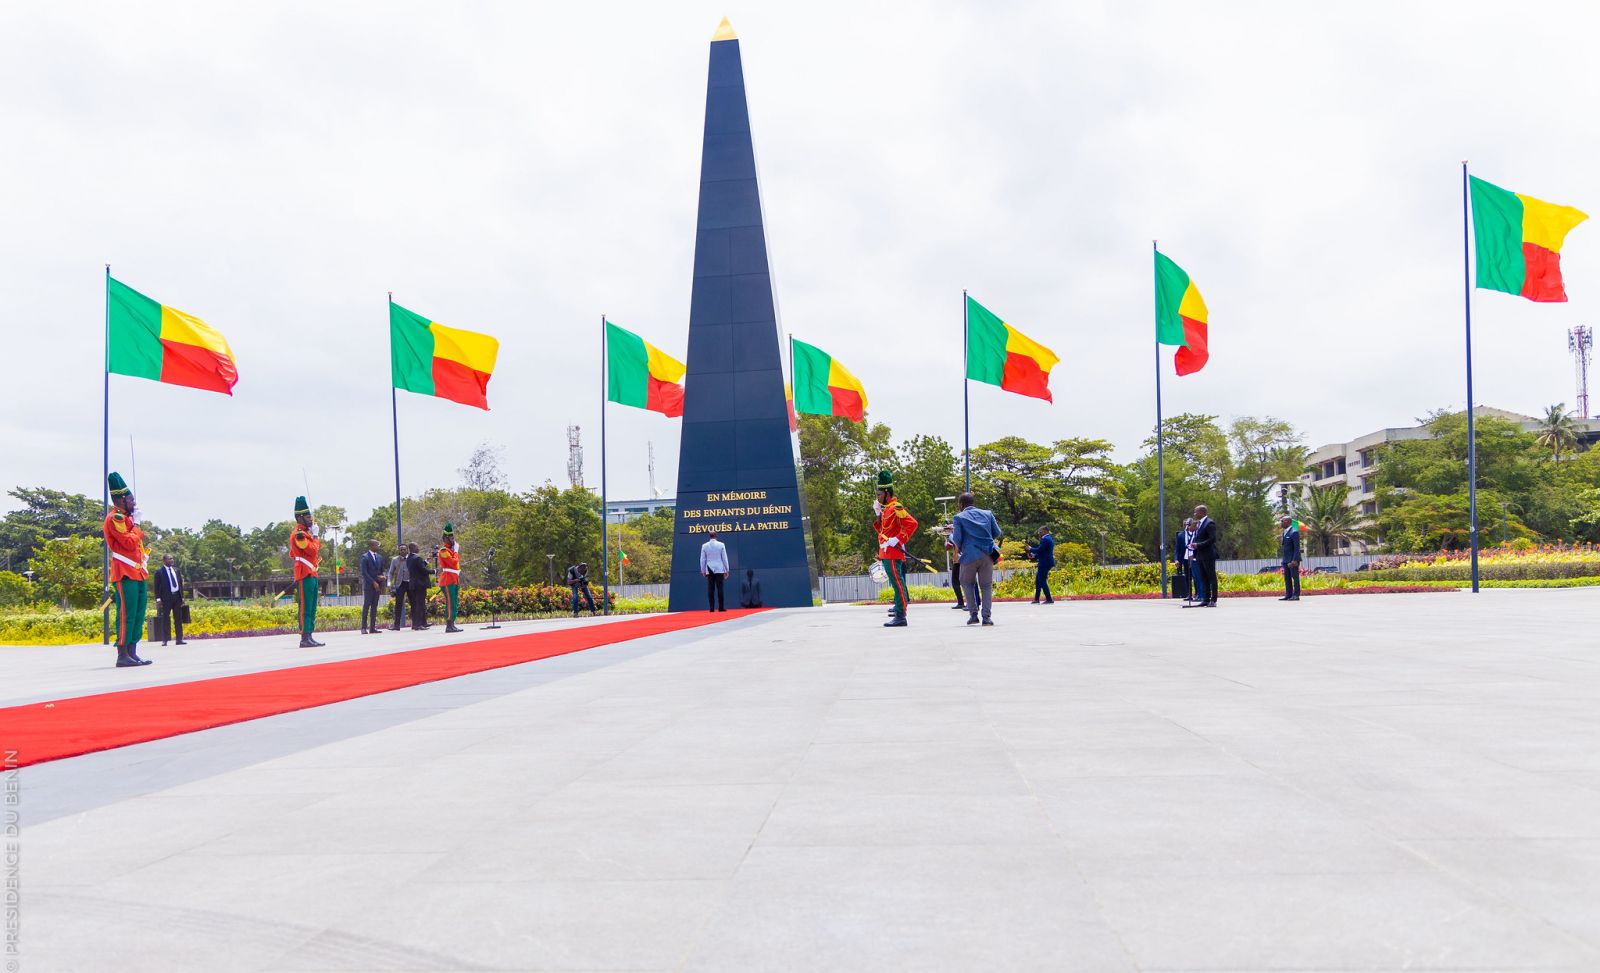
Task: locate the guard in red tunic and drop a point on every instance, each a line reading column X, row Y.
column 896, row 527
column 129, row 571
column 449, row 558
column 305, row 548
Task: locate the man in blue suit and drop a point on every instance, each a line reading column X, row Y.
column 1044, row 556
column 1289, row 554
column 373, row 577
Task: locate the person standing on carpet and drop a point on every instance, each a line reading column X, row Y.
column 306, row 549
column 714, row 566
column 421, row 580
column 129, row 571
column 450, row 576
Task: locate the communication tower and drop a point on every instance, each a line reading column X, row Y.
column 574, row 456
column 1580, row 342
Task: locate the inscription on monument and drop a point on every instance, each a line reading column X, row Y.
column 737, row 511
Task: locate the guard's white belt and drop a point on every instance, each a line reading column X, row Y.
column 130, row 562
column 445, row 571
column 305, row 562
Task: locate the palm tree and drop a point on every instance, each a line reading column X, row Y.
column 1327, row 517
column 1558, row 430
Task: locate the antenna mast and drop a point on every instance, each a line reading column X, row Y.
column 650, row 453
column 1580, row 342
column 574, row 456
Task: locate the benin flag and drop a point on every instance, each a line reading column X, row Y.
column 428, row 358
column 147, row 339
column 823, row 387
column 1181, row 317
column 641, row 375
column 998, row 354
column 1519, row 241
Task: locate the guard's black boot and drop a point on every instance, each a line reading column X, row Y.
column 124, row 660
column 306, row 642
column 898, row 621
column 452, row 628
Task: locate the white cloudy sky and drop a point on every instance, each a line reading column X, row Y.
column 521, row 168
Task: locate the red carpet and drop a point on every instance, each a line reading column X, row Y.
column 38, row 732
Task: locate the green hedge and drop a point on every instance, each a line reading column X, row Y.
column 36, row 626
column 1462, row 571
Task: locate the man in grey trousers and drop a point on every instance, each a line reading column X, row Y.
column 976, row 534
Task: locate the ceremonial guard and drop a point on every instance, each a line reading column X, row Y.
column 896, row 527
column 304, row 548
column 129, row 571
column 450, row 576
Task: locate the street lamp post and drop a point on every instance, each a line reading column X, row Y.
column 552, row 559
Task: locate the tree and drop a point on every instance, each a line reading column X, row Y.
column 839, row 462
column 45, row 513
column 1558, row 431
column 1328, row 519
column 483, row 469
column 15, row 590
column 550, row 520
column 66, row 570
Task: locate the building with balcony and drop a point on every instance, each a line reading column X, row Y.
column 1355, row 463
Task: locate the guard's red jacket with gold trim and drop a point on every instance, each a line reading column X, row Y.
column 125, row 541
column 895, row 521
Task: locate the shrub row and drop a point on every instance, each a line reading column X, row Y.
column 1456, row 570
column 213, row 619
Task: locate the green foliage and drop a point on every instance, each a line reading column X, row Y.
column 1461, row 570
column 45, row 514
column 1327, row 518
column 839, row 461
column 67, row 571
column 14, row 590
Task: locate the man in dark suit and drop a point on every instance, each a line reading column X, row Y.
column 1289, row 554
column 169, row 599
column 373, row 576
column 1204, row 546
column 1044, row 557
column 421, row 577
column 399, row 584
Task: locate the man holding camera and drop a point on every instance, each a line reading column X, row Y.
column 1044, row 557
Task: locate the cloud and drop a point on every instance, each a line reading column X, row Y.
column 521, row 169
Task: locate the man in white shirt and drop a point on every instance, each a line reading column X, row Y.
column 169, row 599
column 714, row 565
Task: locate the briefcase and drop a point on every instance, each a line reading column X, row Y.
column 183, row 614
column 160, row 629
column 1180, row 586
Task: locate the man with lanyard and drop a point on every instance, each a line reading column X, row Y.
column 895, row 527
column 450, row 576
column 304, row 548
column 129, row 573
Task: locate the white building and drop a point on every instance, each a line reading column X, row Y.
column 1354, row 463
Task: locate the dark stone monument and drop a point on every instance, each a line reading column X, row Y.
column 736, row 465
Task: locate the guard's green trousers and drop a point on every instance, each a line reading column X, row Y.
column 130, row 596
column 897, row 582
column 305, row 599
column 452, row 600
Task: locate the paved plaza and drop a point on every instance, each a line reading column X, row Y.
column 1395, row 782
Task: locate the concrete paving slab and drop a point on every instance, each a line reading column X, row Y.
column 1357, row 783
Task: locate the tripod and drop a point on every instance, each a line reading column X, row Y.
column 493, row 580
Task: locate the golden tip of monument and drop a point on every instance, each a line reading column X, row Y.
column 724, row 32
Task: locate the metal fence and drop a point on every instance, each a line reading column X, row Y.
column 1342, row 563
column 861, row 587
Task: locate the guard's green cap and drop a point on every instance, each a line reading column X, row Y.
column 118, row 487
column 300, row 506
column 885, row 479
column 449, row 529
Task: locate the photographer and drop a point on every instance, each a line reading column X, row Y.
column 1044, row 556
column 578, row 581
